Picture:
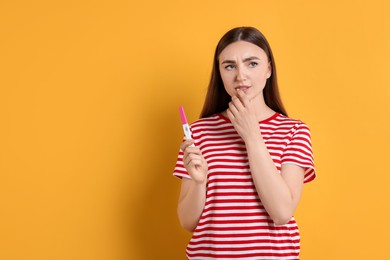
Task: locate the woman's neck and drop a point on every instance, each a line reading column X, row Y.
column 263, row 112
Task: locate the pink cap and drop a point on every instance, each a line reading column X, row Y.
column 183, row 115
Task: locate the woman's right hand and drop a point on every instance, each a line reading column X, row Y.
column 194, row 162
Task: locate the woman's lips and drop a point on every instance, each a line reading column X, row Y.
column 243, row 88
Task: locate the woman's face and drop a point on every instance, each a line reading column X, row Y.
column 244, row 65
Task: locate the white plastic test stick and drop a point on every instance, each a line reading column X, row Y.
column 184, row 122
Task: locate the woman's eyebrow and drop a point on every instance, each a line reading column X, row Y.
column 251, row 58
column 228, row 61
column 245, row 60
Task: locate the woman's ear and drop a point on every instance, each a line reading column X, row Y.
column 269, row 73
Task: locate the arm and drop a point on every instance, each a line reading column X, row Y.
column 279, row 193
column 193, row 191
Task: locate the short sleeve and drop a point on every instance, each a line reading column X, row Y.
column 180, row 171
column 299, row 151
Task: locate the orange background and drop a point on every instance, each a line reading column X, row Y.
column 90, row 130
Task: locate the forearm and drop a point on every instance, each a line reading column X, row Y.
column 272, row 189
column 191, row 205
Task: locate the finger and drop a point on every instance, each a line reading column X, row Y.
column 186, row 144
column 192, row 156
column 186, row 161
column 194, row 163
column 243, row 97
column 192, row 160
column 230, row 115
column 238, row 103
column 232, row 107
column 189, row 152
column 193, row 150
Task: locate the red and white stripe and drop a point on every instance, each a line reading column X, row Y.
column 234, row 223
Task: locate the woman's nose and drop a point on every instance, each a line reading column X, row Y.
column 241, row 74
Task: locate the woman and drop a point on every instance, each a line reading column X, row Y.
column 243, row 178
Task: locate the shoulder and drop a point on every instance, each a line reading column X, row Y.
column 291, row 123
column 208, row 122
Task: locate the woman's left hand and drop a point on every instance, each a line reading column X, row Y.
column 241, row 113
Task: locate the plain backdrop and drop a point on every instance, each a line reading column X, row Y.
column 90, row 128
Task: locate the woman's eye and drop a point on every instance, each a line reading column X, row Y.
column 253, row 64
column 229, row 67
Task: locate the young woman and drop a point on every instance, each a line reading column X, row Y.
column 243, row 178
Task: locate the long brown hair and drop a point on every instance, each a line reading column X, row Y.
column 217, row 99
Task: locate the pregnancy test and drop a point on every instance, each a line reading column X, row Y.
column 186, row 127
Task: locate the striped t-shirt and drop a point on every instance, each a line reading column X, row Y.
column 234, row 223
